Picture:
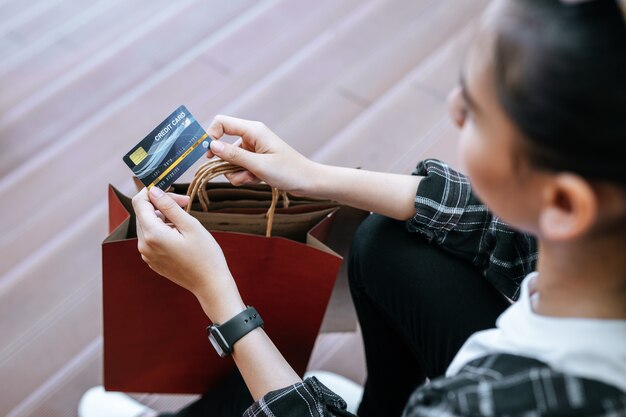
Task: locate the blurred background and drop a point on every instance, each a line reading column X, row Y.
column 358, row 83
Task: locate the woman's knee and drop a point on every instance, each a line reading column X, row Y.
column 373, row 249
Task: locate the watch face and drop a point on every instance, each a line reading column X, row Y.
column 218, row 342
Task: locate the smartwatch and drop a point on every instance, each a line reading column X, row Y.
column 223, row 336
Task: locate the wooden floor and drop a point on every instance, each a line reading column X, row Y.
column 349, row 82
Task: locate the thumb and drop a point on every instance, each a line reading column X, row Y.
column 170, row 209
column 234, row 154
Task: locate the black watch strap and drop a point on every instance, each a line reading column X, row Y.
column 240, row 325
column 237, row 327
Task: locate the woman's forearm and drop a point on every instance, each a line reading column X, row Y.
column 260, row 363
column 392, row 195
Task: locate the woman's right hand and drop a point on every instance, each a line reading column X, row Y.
column 264, row 155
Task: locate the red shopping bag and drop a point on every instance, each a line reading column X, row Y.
column 154, row 331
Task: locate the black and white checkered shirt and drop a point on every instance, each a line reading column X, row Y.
column 449, row 215
column 494, row 385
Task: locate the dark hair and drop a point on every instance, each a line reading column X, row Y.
column 560, row 73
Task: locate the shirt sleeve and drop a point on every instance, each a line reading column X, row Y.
column 515, row 386
column 448, row 214
column 309, row 398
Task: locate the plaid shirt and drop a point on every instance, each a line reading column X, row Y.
column 449, row 215
column 494, row 385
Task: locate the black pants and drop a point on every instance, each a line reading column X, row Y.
column 416, row 306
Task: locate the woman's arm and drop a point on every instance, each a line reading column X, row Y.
column 268, row 158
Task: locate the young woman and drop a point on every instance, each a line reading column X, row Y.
column 542, row 111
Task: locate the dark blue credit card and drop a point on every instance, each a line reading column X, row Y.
column 169, row 150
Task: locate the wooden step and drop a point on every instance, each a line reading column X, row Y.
column 57, row 24
column 437, row 76
column 340, row 102
column 25, row 15
column 298, row 81
column 58, row 396
column 402, row 118
column 59, row 113
column 13, row 13
column 95, row 142
column 50, row 23
column 78, row 52
column 71, row 328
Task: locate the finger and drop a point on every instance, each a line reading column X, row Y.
column 181, row 199
column 160, row 215
column 144, row 210
column 210, row 154
column 242, row 177
column 140, row 234
column 222, row 125
column 235, row 155
column 170, row 209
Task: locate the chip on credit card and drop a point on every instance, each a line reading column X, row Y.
column 169, row 150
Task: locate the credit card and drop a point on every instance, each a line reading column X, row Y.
column 169, row 150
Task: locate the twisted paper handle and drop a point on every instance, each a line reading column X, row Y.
column 216, row 167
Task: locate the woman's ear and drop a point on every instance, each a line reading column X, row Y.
column 568, row 209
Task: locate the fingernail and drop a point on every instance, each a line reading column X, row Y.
column 156, row 192
column 217, row 146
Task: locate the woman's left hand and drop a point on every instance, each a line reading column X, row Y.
column 185, row 252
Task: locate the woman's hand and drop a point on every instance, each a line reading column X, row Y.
column 263, row 154
column 185, row 252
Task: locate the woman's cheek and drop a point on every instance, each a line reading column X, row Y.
column 480, row 162
column 469, row 149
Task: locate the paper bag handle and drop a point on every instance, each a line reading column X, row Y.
column 216, row 167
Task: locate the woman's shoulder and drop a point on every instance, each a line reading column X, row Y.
column 486, row 387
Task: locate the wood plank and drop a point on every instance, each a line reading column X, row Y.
column 94, row 144
column 437, row 76
column 441, row 72
column 25, row 15
column 291, row 87
column 80, row 48
column 65, row 268
column 63, row 340
column 42, row 41
column 383, row 132
column 8, row 44
column 407, row 47
column 373, row 76
column 342, row 353
column 59, row 113
column 45, row 20
column 11, row 10
column 403, row 118
column 59, row 395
